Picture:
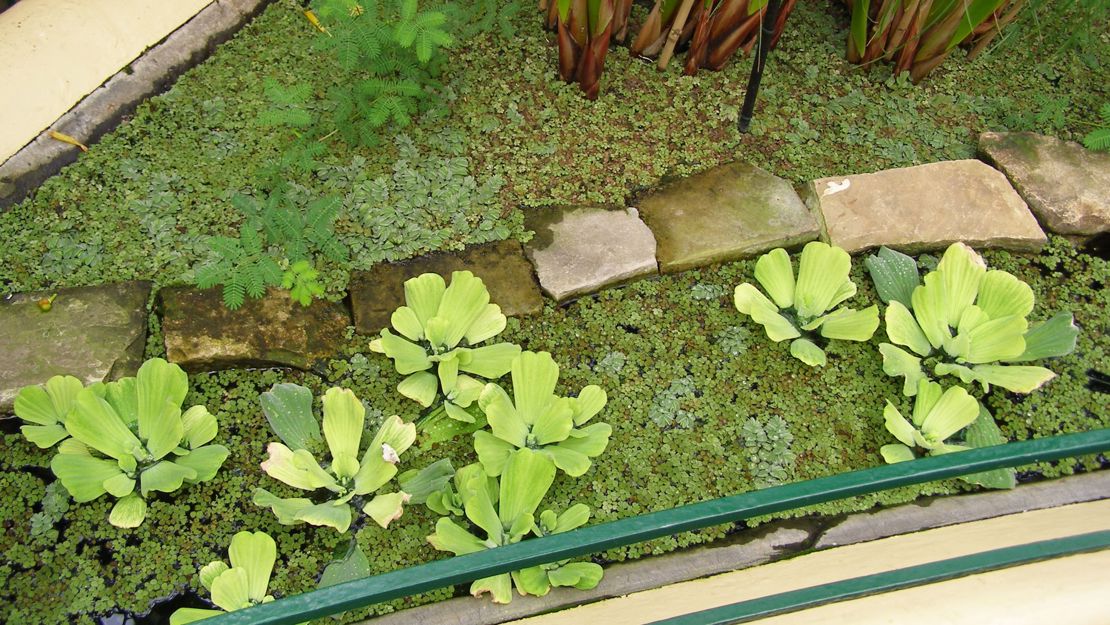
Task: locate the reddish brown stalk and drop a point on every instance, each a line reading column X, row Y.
column 898, row 37
column 568, row 54
column 877, row 43
column 552, row 19
column 721, row 51
column 780, row 25
column 695, row 57
column 593, row 61
column 922, row 68
column 620, row 19
column 728, row 16
column 905, row 57
column 996, row 28
column 935, row 42
column 649, row 32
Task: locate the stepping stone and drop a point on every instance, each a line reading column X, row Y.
column 94, row 333
column 583, row 249
column 730, row 212
column 927, row 207
column 203, row 335
column 376, row 293
column 1066, row 185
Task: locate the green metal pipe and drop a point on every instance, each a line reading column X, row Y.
column 921, row 574
column 595, row 538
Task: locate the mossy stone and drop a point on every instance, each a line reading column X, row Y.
column 578, row 250
column 376, row 293
column 923, row 208
column 94, row 333
column 202, row 334
column 726, row 213
column 1066, row 185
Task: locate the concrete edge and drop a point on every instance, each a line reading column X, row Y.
column 774, row 541
column 103, row 109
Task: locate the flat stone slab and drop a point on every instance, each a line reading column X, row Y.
column 1066, row 185
column 94, row 333
column 202, row 334
column 580, row 250
column 376, row 293
column 927, row 207
column 729, row 212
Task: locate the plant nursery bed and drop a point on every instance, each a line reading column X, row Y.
column 701, row 406
column 625, row 212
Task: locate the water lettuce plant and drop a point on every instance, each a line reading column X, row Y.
column 132, row 433
column 45, row 407
column 536, row 419
column 802, row 308
column 433, row 324
column 240, row 585
column 288, row 408
column 504, row 510
column 971, row 322
column 938, row 415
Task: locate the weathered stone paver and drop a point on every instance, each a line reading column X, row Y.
column 926, row 207
column 202, row 334
column 1066, row 185
column 92, row 333
column 376, row 293
column 582, row 249
column 729, row 212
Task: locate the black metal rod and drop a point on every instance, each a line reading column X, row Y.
column 767, row 33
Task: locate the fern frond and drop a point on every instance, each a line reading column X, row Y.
column 1098, row 139
column 234, row 294
column 224, row 247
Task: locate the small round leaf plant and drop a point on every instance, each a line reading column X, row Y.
column 288, row 408
column 126, row 438
column 537, row 419
column 805, row 308
column 239, row 586
column 438, row 327
column 504, row 511
column 967, row 321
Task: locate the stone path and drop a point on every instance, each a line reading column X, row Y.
column 580, row 250
column 202, row 334
column 728, row 212
column 92, row 333
column 1066, row 185
column 928, row 207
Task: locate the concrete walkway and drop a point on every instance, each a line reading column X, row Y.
column 58, row 51
column 1071, row 589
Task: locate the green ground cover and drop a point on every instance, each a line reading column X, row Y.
column 140, row 204
column 701, row 403
column 718, row 411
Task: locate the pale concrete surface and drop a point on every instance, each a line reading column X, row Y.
column 864, row 559
column 1070, row 590
column 58, row 51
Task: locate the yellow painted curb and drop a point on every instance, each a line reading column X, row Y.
column 58, row 51
column 863, row 559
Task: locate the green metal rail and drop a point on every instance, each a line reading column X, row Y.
column 908, row 577
column 596, row 538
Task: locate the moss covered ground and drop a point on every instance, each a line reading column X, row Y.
column 140, row 204
column 701, row 403
column 697, row 395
